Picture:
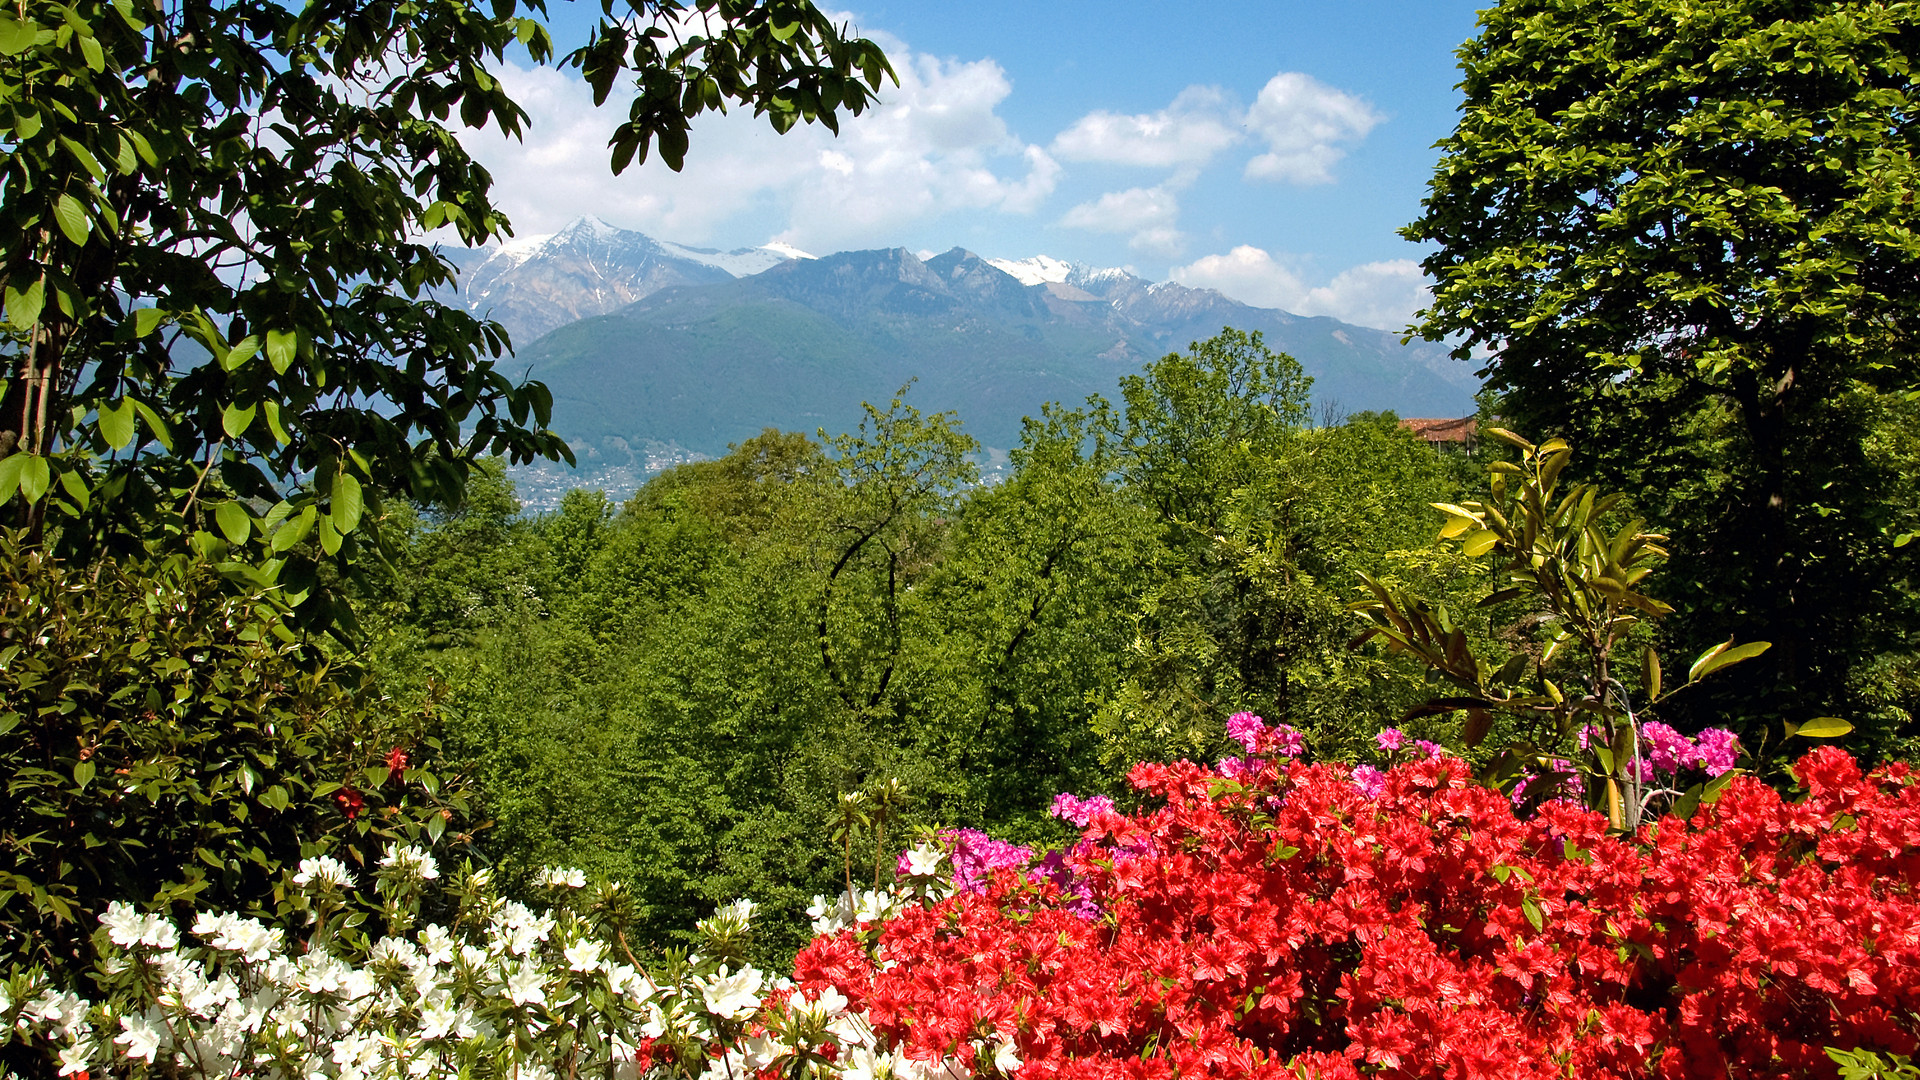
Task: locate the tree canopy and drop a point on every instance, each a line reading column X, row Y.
column 1684, row 234
column 216, row 256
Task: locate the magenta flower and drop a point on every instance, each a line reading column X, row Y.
column 1391, row 739
column 1245, row 728
column 1069, row 807
column 1719, row 749
column 1287, row 740
column 1369, row 780
column 1667, row 750
column 1431, row 749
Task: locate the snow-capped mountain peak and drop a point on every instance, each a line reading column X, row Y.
column 1038, row 270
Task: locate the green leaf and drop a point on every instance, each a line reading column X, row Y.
column 1533, row 913
column 35, row 476
column 271, row 410
column 23, row 308
column 282, row 346
column 91, row 51
column 1723, row 655
column 1650, row 674
column 234, row 521
column 72, row 218
column 146, row 320
column 242, row 351
column 295, row 530
column 75, row 486
column 161, row 432
column 16, row 37
column 116, row 424
column 236, row 420
column 1824, row 727
column 10, row 468
column 348, row 503
column 83, row 773
column 1479, row 543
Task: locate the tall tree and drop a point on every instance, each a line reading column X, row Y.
column 1686, row 232
column 213, row 247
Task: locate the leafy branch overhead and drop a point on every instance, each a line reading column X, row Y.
column 219, row 291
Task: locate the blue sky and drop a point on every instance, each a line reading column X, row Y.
column 1268, row 149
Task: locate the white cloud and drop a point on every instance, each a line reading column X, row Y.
column 1379, row 294
column 1149, row 213
column 1305, row 123
column 933, row 146
column 1199, row 123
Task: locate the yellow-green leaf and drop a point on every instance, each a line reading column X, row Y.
column 236, row 420
column 294, row 530
column 1824, row 727
column 72, row 218
column 234, row 521
column 1723, row 655
column 116, row 424
column 1479, row 543
column 347, row 502
column 281, row 346
column 23, row 306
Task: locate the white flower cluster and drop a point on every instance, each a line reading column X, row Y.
column 505, row 991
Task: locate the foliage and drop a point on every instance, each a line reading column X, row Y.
column 1279, row 921
column 164, row 742
column 1684, row 233
column 214, row 256
column 672, row 693
column 1576, row 578
column 1259, row 519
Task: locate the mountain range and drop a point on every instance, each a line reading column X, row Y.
column 657, row 352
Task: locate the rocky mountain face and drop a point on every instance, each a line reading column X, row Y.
column 535, row 284
column 698, row 365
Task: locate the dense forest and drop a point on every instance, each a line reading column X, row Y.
column 675, row 691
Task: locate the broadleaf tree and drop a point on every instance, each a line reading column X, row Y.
column 215, row 256
column 1684, row 234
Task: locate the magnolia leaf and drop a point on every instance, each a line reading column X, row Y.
column 242, row 351
column 161, row 432
column 234, row 521
column 34, row 477
column 236, row 420
column 348, row 503
column 281, row 348
column 72, row 218
column 75, row 486
column 116, row 424
column 16, row 37
column 1824, row 727
column 1479, row 543
column 1723, row 655
column 330, row 538
column 23, row 307
column 295, row 530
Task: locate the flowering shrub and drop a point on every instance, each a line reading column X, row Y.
column 1288, row 920
column 1303, row 920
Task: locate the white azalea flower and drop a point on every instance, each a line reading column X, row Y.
column 437, row 944
column 526, row 985
column 412, row 860
column 923, row 860
column 564, row 876
column 143, row 1036
column 732, row 997
column 584, row 955
column 75, row 1059
column 324, row 871
column 124, row 924
column 1005, row 1057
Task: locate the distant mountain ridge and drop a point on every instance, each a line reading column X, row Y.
column 657, row 352
column 535, row 284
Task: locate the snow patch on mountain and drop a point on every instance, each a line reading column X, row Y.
column 740, row 262
column 1038, row 270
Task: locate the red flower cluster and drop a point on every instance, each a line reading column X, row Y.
column 1283, row 923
